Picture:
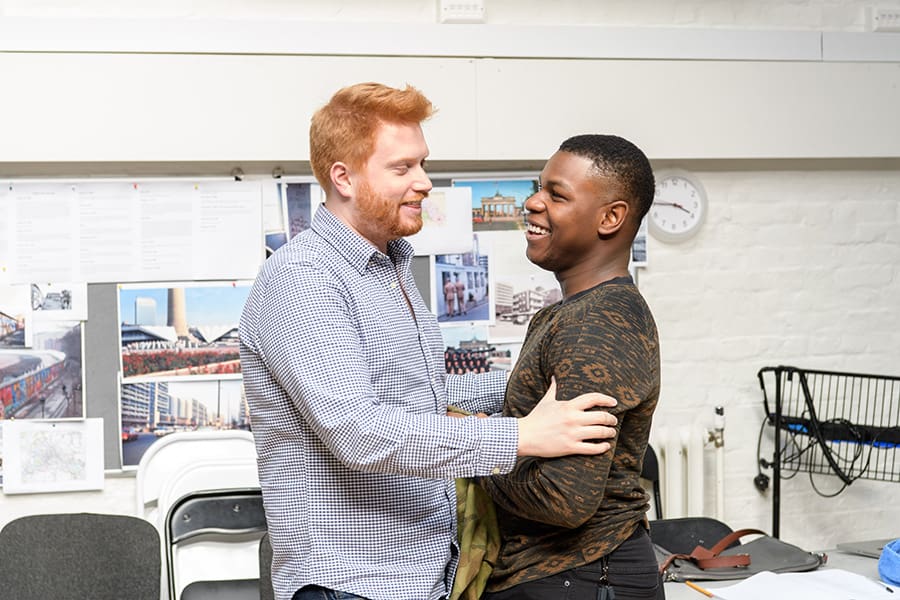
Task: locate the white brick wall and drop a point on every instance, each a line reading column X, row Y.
column 798, row 268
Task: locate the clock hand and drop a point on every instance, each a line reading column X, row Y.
column 675, row 204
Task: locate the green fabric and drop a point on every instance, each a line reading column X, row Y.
column 479, row 540
column 479, row 535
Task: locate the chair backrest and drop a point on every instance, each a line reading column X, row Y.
column 650, row 472
column 183, row 462
column 79, row 555
column 682, row 535
column 266, row 591
column 212, row 544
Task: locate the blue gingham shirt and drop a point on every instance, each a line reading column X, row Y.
column 347, row 397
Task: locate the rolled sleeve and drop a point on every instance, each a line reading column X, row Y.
column 477, row 392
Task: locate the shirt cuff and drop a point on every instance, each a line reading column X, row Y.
column 498, row 447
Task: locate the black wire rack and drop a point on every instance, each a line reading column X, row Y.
column 832, row 423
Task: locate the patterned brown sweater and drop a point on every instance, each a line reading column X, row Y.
column 557, row 514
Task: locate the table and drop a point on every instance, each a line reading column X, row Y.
column 836, row 560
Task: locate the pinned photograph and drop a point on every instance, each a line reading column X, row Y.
column 498, row 204
column 461, row 286
column 154, row 408
column 520, row 287
column 639, row 246
column 467, row 350
column 288, row 207
column 15, row 315
column 182, row 329
column 64, row 301
column 45, row 381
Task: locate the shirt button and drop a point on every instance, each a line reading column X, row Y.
column 495, row 471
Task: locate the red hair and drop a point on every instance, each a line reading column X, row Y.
column 344, row 129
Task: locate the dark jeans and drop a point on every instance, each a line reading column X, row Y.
column 633, row 575
column 315, row 592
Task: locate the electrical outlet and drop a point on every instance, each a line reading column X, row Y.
column 884, row 19
column 461, row 11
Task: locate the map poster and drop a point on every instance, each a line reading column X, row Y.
column 52, row 456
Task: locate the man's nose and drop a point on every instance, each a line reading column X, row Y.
column 422, row 182
column 534, row 202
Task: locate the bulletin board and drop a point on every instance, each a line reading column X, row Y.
column 119, row 260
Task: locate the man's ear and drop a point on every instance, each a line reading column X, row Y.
column 340, row 179
column 612, row 217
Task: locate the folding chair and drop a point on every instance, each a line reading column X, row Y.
column 185, row 462
column 80, row 555
column 212, row 541
column 650, row 472
column 188, row 461
column 266, row 592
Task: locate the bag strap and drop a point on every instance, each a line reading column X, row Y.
column 708, row 558
column 729, row 539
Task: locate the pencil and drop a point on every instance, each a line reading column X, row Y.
column 693, row 585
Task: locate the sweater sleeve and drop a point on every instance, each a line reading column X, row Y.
column 597, row 349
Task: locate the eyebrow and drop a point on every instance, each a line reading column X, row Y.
column 556, row 183
column 403, row 161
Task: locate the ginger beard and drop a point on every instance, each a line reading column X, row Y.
column 390, row 216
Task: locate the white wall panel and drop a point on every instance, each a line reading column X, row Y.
column 691, row 109
column 163, row 107
column 368, row 38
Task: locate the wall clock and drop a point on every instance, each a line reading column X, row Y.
column 679, row 206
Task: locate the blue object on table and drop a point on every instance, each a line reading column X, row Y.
column 889, row 563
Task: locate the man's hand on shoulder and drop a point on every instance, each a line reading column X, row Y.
column 557, row 428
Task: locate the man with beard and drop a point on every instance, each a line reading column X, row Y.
column 344, row 376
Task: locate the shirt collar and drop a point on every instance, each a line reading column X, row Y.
column 356, row 250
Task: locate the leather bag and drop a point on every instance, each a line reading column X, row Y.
column 726, row 557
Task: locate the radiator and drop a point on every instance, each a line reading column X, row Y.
column 682, row 455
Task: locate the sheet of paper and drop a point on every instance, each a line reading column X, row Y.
column 5, row 233
column 824, row 584
column 446, row 222
column 44, row 244
column 108, row 218
column 227, row 212
column 120, row 231
column 52, row 456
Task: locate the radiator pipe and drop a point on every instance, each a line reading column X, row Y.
column 717, row 437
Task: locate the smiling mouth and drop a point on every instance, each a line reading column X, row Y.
column 532, row 228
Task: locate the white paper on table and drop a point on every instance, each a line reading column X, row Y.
column 825, row 584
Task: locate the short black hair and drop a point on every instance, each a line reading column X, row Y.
column 615, row 157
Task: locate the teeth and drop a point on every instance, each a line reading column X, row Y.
column 538, row 230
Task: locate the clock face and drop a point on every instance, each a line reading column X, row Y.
column 679, row 207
